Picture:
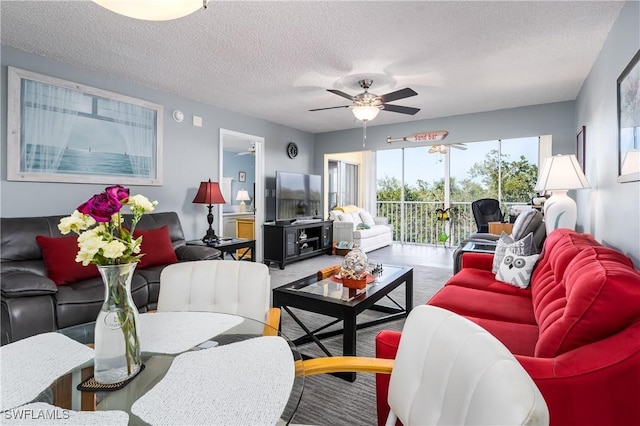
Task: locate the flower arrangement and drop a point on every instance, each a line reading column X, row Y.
column 102, row 238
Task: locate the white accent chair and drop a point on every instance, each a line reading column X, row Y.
column 449, row 371
column 224, row 286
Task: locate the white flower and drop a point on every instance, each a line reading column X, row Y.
column 89, row 242
column 75, row 223
column 136, row 245
column 114, row 249
column 108, row 243
column 142, row 203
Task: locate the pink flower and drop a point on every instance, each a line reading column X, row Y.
column 119, row 192
column 101, row 207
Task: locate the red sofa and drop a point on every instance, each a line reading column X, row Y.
column 576, row 329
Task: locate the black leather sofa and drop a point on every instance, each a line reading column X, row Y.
column 31, row 303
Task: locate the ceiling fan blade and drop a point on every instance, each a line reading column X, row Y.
column 321, row 109
column 401, row 109
column 339, row 93
column 398, row 94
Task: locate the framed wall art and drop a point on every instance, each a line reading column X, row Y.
column 60, row 131
column 581, row 142
column 242, row 176
column 629, row 122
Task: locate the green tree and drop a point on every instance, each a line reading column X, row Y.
column 518, row 177
column 388, row 189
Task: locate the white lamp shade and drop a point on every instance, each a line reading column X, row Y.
column 153, row 10
column 631, row 162
column 243, row 195
column 561, row 172
column 365, row 112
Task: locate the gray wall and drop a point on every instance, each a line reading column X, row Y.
column 190, row 153
column 609, row 210
column 555, row 119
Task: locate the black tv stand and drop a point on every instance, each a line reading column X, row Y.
column 284, row 244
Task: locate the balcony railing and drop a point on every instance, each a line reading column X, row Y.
column 417, row 221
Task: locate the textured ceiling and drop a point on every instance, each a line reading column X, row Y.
column 274, row 59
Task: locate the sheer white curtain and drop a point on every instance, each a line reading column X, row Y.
column 136, row 125
column 369, row 186
column 48, row 116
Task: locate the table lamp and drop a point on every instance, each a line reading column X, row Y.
column 243, row 196
column 561, row 173
column 209, row 193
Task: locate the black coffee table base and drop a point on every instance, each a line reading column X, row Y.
column 287, row 297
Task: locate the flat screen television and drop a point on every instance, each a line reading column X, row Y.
column 298, row 195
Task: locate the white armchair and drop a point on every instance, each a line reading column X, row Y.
column 373, row 234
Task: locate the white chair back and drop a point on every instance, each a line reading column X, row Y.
column 226, row 286
column 450, row 371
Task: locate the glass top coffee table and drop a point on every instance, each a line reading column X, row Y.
column 329, row 297
column 246, row 331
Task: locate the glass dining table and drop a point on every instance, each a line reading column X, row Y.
column 199, row 368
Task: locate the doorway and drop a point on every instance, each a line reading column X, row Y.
column 241, row 166
column 343, row 183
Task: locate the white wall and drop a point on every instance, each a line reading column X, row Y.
column 190, row 153
column 610, row 210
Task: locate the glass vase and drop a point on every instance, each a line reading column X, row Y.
column 117, row 344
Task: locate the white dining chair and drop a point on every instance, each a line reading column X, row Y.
column 448, row 371
column 224, row 286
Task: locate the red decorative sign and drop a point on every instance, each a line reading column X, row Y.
column 428, row 136
column 421, row 137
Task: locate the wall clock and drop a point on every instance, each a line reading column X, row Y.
column 292, row 150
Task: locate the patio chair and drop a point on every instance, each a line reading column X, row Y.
column 448, row 370
column 486, row 210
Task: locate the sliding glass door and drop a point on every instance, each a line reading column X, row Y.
column 415, row 186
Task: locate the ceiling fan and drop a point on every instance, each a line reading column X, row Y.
column 251, row 150
column 366, row 105
column 442, row 148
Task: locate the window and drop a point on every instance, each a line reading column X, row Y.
column 412, row 184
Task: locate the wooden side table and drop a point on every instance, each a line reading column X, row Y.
column 498, row 227
column 245, row 228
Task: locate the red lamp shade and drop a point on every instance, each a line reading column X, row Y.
column 209, row 193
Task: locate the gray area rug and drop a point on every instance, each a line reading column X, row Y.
column 329, row 400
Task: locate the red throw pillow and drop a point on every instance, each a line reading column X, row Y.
column 156, row 246
column 59, row 256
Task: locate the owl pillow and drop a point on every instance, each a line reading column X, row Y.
column 516, row 269
column 523, row 247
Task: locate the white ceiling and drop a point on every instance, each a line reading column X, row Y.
column 274, row 59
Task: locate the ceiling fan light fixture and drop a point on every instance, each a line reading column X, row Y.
column 365, row 112
column 153, row 10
